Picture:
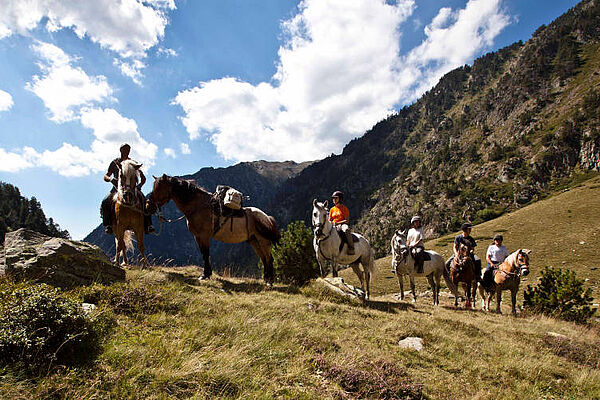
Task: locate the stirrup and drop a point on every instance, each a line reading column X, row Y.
column 108, row 230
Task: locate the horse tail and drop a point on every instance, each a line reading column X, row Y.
column 449, row 282
column 128, row 239
column 267, row 227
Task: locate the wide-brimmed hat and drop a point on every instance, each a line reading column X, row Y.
column 466, row 226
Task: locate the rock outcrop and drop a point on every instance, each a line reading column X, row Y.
column 55, row 261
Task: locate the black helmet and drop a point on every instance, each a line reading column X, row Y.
column 498, row 237
column 466, row 226
column 339, row 194
column 125, row 146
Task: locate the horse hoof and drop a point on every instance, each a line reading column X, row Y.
column 204, row 278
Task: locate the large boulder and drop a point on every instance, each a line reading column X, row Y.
column 55, row 261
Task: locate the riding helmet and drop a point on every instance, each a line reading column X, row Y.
column 465, row 226
column 498, row 237
column 339, row 194
column 124, row 145
column 414, row 219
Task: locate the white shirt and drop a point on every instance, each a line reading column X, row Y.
column 497, row 254
column 414, row 237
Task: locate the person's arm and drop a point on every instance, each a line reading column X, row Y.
column 456, row 245
column 109, row 172
column 487, row 256
column 142, row 179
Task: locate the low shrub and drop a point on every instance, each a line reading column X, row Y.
column 294, row 258
column 560, row 294
column 40, row 328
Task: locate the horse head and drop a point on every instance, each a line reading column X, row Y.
column 522, row 261
column 161, row 193
column 128, row 178
column 319, row 217
column 399, row 242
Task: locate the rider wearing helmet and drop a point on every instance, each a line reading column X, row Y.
column 340, row 216
column 415, row 242
column 495, row 255
column 466, row 239
column 108, row 206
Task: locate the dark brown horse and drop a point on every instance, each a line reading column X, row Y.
column 205, row 222
column 462, row 269
column 128, row 212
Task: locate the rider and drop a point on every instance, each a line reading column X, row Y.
column 495, row 255
column 340, row 217
column 107, row 207
column 414, row 240
column 466, row 239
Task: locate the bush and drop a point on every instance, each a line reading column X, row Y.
column 294, row 258
column 560, row 294
column 40, row 328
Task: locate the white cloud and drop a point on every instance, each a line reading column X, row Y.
column 185, row 148
column 131, row 69
column 6, row 101
column 127, row 27
column 110, row 130
column 169, row 152
column 64, row 88
column 339, row 72
column 166, row 52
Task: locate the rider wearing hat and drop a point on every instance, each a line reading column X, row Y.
column 466, row 239
column 112, row 175
column 415, row 242
column 340, row 216
column 495, row 255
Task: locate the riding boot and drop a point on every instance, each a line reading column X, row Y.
column 106, row 212
column 148, row 227
column 350, row 242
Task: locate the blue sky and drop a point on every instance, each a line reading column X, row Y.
column 191, row 84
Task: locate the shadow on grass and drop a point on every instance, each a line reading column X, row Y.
column 255, row 287
column 188, row 280
column 388, row 306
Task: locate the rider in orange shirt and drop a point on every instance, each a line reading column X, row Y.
column 340, row 217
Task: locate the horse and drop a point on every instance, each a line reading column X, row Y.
column 201, row 210
column 506, row 277
column 128, row 212
column 328, row 246
column 462, row 269
column 404, row 264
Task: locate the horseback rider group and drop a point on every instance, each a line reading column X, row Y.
column 107, row 209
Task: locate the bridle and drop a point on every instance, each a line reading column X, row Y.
column 520, row 267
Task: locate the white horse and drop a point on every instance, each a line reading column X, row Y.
column 328, row 246
column 404, row 264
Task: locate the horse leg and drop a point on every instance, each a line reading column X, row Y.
column 139, row 235
column 513, row 298
column 468, row 294
column 400, row 283
column 356, row 268
column 437, row 289
column 204, row 245
column 334, row 270
column 262, row 248
column 412, row 288
column 498, row 300
column 432, row 285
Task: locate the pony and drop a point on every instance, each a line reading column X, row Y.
column 328, row 246
column 506, row 277
column 462, row 269
column 128, row 212
column 404, row 264
column 201, row 210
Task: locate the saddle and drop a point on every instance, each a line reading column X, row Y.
column 426, row 256
column 222, row 211
column 343, row 239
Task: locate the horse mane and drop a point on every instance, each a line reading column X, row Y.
column 186, row 190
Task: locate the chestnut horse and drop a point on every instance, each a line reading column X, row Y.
column 128, row 212
column 506, row 277
column 462, row 269
column 204, row 222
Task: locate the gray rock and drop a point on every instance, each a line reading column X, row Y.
column 556, row 335
column 411, row 342
column 88, row 308
column 339, row 286
column 55, row 261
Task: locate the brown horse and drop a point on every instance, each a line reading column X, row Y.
column 128, row 212
column 204, row 221
column 506, row 277
column 462, row 269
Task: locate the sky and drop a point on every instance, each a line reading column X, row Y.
column 210, row 83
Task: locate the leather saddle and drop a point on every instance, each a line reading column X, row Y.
column 344, row 240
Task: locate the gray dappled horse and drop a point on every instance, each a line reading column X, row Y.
column 128, row 212
column 404, row 264
column 328, row 246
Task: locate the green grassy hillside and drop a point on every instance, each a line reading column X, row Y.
column 231, row 338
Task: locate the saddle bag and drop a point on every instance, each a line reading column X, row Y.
column 233, row 199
